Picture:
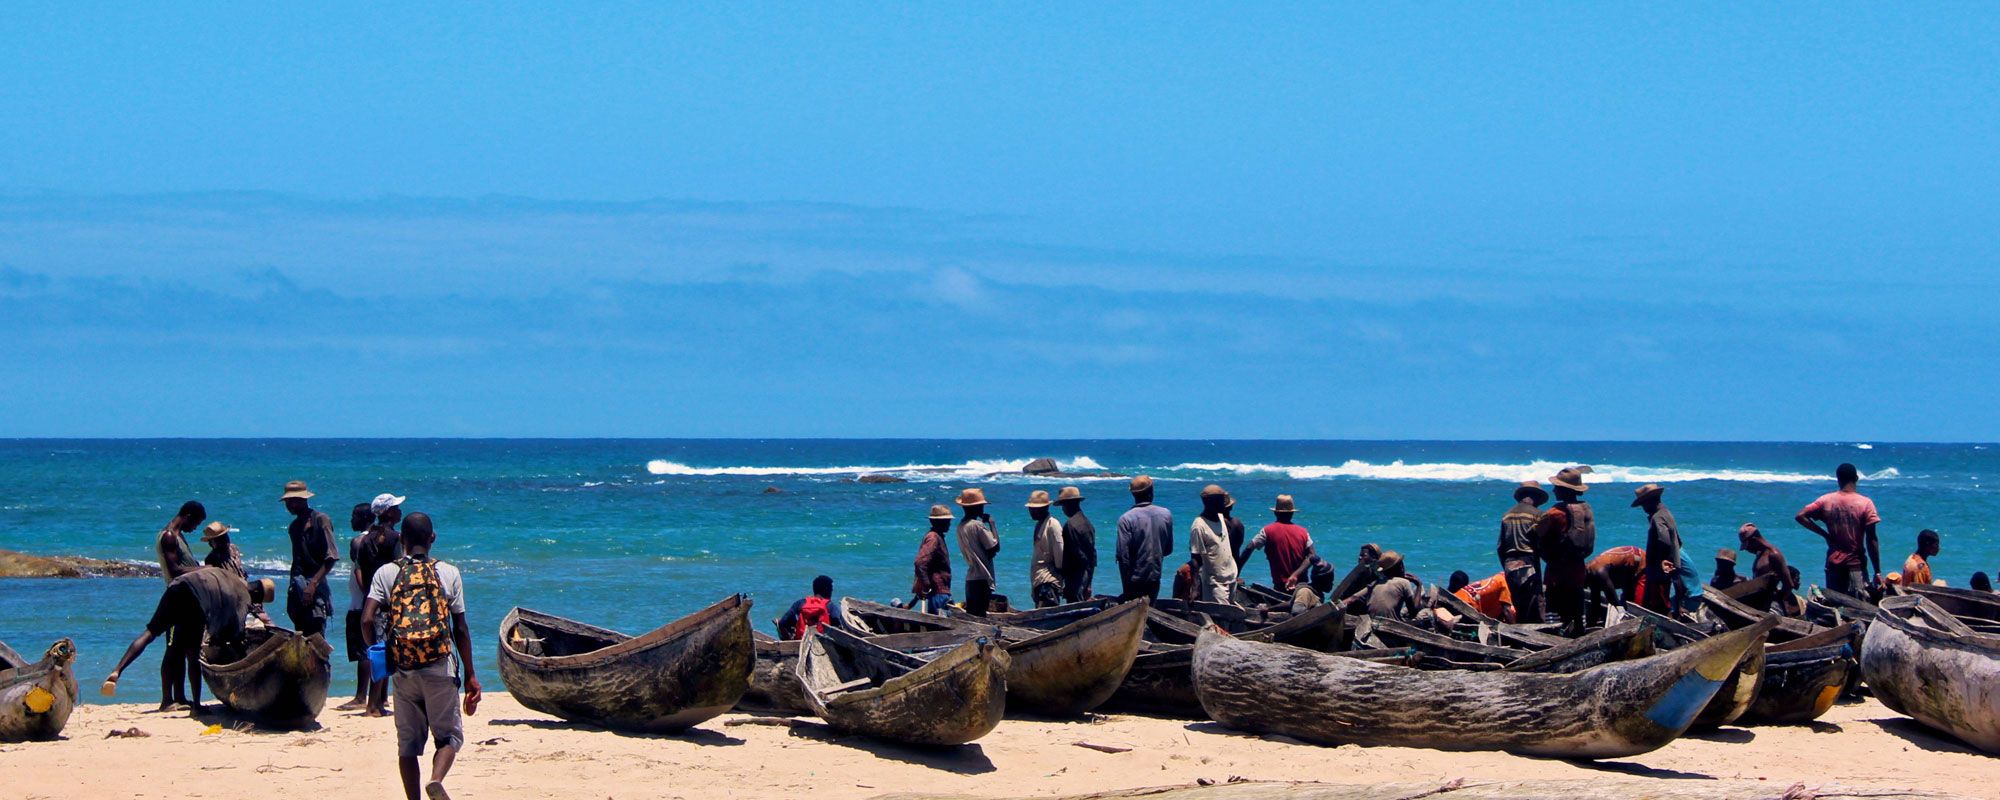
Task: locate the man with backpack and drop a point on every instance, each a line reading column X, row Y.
column 812, row 612
column 423, row 603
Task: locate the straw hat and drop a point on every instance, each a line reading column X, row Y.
column 263, row 590
column 215, row 530
column 1533, row 489
column 1143, row 483
column 295, row 489
column 1068, row 494
column 1285, row 505
column 1726, row 554
column 1647, row 492
column 1572, row 479
column 1228, row 500
column 1389, row 561
column 1038, row 499
column 1212, row 490
column 971, row 497
column 940, row 512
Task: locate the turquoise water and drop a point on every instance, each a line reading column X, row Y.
column 632, row 533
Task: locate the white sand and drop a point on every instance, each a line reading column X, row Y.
column 515, row 753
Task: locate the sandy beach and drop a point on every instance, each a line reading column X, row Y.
column 516, row 753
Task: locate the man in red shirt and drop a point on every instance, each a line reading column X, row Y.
column 1287, row 546
column 1846, row 519
column 932, row 587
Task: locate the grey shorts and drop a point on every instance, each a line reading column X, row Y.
column 427, row 705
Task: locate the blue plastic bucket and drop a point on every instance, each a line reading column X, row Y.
column 378, row 661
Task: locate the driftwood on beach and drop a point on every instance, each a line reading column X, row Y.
column 670, row 679
column 1614, row 710
column 1462, row 789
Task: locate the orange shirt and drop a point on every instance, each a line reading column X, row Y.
column 1490, row 596
column 1916, row 571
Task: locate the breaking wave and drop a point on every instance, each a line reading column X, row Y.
column 1536, row 470
column 963, row 469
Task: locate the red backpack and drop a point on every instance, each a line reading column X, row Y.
column 812, row 614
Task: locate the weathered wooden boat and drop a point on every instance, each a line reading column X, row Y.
column 870, row 618
column 1733, row 613
column 677, row 676
column 1625, row 641
column 1618, row 709
column 36, row 696
column 1803, row 677
column 1257, row 594
column 862, row 688
column 1525, row 637
column 1732, row 700
column 1160, row 682
column 1323, row 628
column 1848, row 606
column 281, row 680
column 1976, row 609
column 1925, row 663
column 1379, row 632
column 1057, row 673
column 774, row 682
column 1041, row 618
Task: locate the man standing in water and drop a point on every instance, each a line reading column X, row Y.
column 1208, row 549
column 1661, row 587
column 308, row 599
column 1079, row 538
column 1045, row 560
column 1517, row 551
column 932, row 586
column 978, row 543
column 1145, row 536
column 1565, row 537
column 1846, row 519
column 172, row 546
column 423, row 601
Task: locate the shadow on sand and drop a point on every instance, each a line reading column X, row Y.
column 1727, row 735
column 964, row 759
column 1640, row 770
column 1918, row 734
column 218, row 714
column 700, row 736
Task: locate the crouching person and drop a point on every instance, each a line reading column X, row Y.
column 422, row 601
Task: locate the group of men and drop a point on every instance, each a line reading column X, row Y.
column 1550, row 568
column 399, row 596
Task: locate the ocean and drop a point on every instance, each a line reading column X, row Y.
column 633, row 533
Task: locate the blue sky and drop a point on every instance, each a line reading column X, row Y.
column 1551, row 222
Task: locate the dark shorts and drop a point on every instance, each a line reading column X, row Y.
column 178, row 617
column 1851, row 581
column 978, row 597
column 309, row 611
column 357, row 647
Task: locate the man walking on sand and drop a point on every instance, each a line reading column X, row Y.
column 423, row 603
column 1145, row 536
column 308, row 599
column 1846, row 519
column 978, row 543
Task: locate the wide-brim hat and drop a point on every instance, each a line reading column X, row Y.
column 1068, row 494
column 1228, row 500
column 1647, row 492
column 263, row 590
column 1533, row 489
column 215, row 530
column 1143, row 483
column 1726, row 554
column 1389, row 561
column 1572, row 479
column 940, row 512
column 1212, row 490
column 1285, row 505
column 971, row 497
column 1038, row 499
column 296, row 489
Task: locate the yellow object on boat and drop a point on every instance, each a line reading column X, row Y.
column 40, row 700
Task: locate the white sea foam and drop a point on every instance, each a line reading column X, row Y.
column 963, row 469
column 1536, row 470
column 1864, row 446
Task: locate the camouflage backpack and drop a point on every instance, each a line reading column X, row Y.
column 419, row 616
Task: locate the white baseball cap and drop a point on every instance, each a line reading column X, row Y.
column 384, row 502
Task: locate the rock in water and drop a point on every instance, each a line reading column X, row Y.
column 773, row 490
column 881, row 479
column 1041, row 466
column 22, row 565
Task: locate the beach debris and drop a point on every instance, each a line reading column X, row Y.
column 1102, row 748
column 493, row 741
column 775, row 722
column 128, row 733
column 212, row 730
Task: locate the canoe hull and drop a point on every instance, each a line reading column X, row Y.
column 1076, row 668
column 36, row 697
column 1799, row 687
column 1162, row 683
column 774, row 686
column 1948, row 682
column 950, row 700
column 280, row 683
column 671, row 679
column 1614, row 710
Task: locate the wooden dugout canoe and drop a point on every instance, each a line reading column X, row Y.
column 1977, row 609
column 859, row 687
column 677, row 676
column 1625, row 641
column 774, row 681
column 1732, row 700
column 36, row 696
column 281, row 680
column 1733, row 613
column 1803, row 677
column 1922, row 662
column 1614, row 710
column 1059, row 673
